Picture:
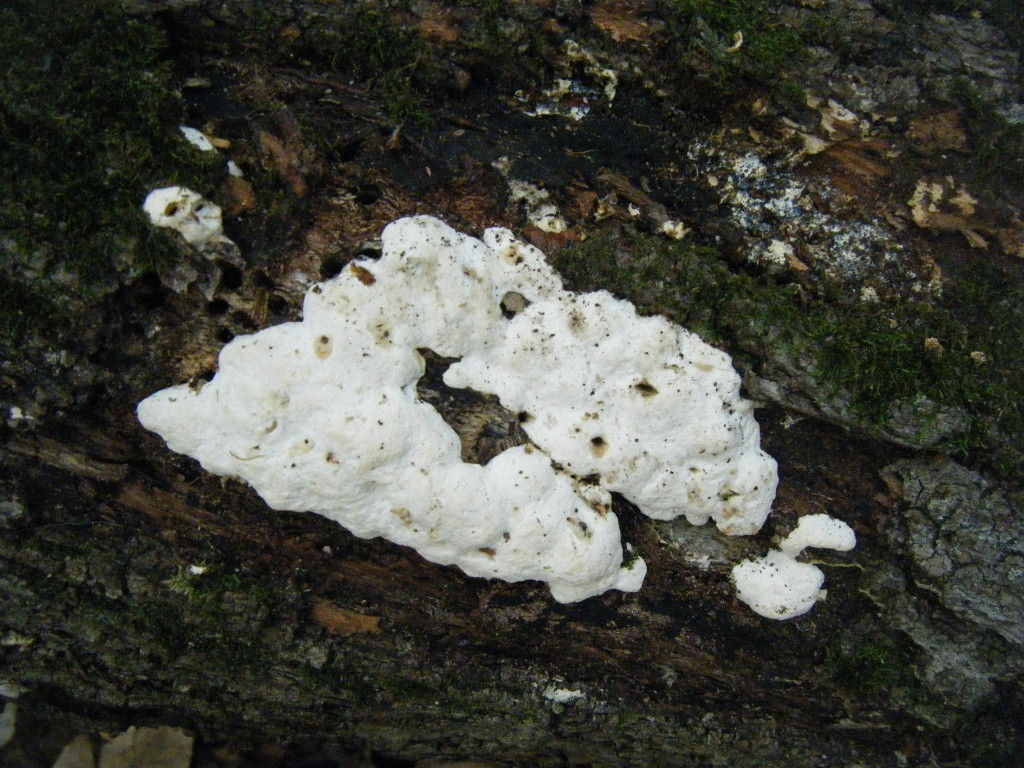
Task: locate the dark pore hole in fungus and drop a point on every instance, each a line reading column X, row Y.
column 322, row 347
column 484, row 426
column 372, row 249
column 512, row 303
column 365, row 276
column 598, row 447
column 645, row 388
column 331, row 267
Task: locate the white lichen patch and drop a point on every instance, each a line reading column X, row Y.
column 562, row 695
column 586, row 84
column 323, row 415
column 779, row 252
column 540, row 211
column 770, row 203
column 607, row 77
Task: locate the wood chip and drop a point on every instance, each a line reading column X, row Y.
column 342, row 621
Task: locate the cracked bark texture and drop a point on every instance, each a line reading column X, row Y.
column 963, row 537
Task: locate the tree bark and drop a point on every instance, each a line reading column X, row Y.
column 137, row 589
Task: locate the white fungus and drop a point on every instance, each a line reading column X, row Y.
column 179, row 208
column 562, row 695
column 540, row 211
column 778, row 586
column 675, row 229
column 819, row 532
column 322, row 415
column 197, row 138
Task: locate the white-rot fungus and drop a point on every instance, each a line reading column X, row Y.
column 778, row 586
column 179, row 208
column 323, row 415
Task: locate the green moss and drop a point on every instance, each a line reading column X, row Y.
column 504, row 44
column 992, row 752
column 186, row 583
column 881, row 356
column 870, row 667
column 205, row 590
column 704, row 32
column 688, row 283
column 411, row 690
column 161, row 622
column 262, row 33
column 873, row 357
column 89, row 121
column 367, row 44
column 630, row 558
column 22, row 308
column 996, row 144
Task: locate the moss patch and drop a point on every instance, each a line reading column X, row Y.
column 705, row 33
column 88, row 116
column 88, row 126
column 997, row 145
column 368, row 45
column 870, row 667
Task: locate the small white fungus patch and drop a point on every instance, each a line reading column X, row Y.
column 322, row 415
column 179, row 208
column 675, row 229
column 778, row 586
column 197, row 138
column 819, row 532
column 540, row 211
column 15, row 414
column 562, row 695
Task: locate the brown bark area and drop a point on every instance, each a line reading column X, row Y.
column 296, row 630
column 299, row 629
